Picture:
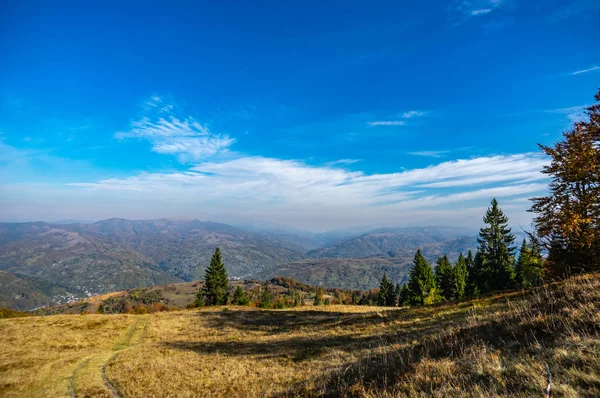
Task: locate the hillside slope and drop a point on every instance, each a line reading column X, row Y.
column 82, row 262
column 401, row 244
column 344, row 273
column 513, row 344
column 183, row 248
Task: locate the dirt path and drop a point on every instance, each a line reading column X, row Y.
column 91, row 372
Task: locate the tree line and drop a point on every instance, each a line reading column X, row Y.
column 495, row 266
column 566, row 226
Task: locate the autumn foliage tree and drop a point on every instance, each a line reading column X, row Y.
column 567, row 220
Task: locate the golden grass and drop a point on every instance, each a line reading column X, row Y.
column 496, row 346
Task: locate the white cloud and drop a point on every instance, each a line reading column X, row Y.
column 186, row 138
column 482, row 11
column 271, row 185
column 432, row 154
column 574, row 113
column 387, row 123
column 412, row 114
column 592, row 69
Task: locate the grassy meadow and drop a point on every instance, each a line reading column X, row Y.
column 510, row 344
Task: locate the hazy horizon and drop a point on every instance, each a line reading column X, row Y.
column 311, row 116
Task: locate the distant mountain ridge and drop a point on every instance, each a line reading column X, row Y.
column 45, row 263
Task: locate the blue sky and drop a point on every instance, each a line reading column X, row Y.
column 306, row 114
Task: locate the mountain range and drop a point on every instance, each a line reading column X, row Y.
column 48, row 263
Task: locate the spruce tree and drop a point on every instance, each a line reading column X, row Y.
column 392, row 297
column 215, row 287
column 443, row 277
column 459, row 278
column 422, row 281
column 319, row 296
column 385, row 290
column 530, row 265
column 404, row 296
column 239, row 297
column 265, row 297
column 496, row 251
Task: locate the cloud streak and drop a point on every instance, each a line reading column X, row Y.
column 186, row 138
column 592, row 69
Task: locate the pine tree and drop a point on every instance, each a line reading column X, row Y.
column 392, row 297
column 421, row 283
column 530, row 265
column 319, row 296
column 495, row 264
column 472, row 289
column 404, row 296
column 386, row 289
column 443, row 277
column 239, row 297
column 265, row 296
column 459, row 278
column 216, row 284
column 567, row 221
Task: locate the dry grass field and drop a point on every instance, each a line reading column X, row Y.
column 505, row 345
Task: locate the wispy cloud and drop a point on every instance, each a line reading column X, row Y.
column 387, row 123
column 168, row 134
column 414, row 114
column 475, row 8
column 269, row 182
column 592, row 69
column 574, row 113
column 433, row 154
column 482, row 11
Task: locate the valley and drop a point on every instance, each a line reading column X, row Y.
column 43, row 264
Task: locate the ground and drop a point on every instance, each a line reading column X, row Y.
column 507, row 344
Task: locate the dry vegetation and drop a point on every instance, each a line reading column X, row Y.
column 500, row 345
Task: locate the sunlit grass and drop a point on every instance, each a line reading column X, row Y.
column 496, row 346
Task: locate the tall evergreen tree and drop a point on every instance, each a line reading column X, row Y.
column 386, row 292
column 443, row 277
column 459, row 279
column 496, row 251
column 265, row 297
column 404, row 296
column 421, row 284
column 392, row 297
column 216, row 283
column 472, row 289
column 567, row 220
column 319, row 296
column 530, row 265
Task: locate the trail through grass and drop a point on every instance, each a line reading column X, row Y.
column 501, row 345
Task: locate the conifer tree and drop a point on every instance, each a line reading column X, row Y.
column 421, row 283
column 319, row 296
column 530, row 265
column 239, row 297
column 265, row 296
column 404, row 296
column 392, row 297
column 472, row 289
column 567, row 220
column 385, row 291
column 459, row 278
column 215, row 287
column 496, row 251
column 443, row 277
